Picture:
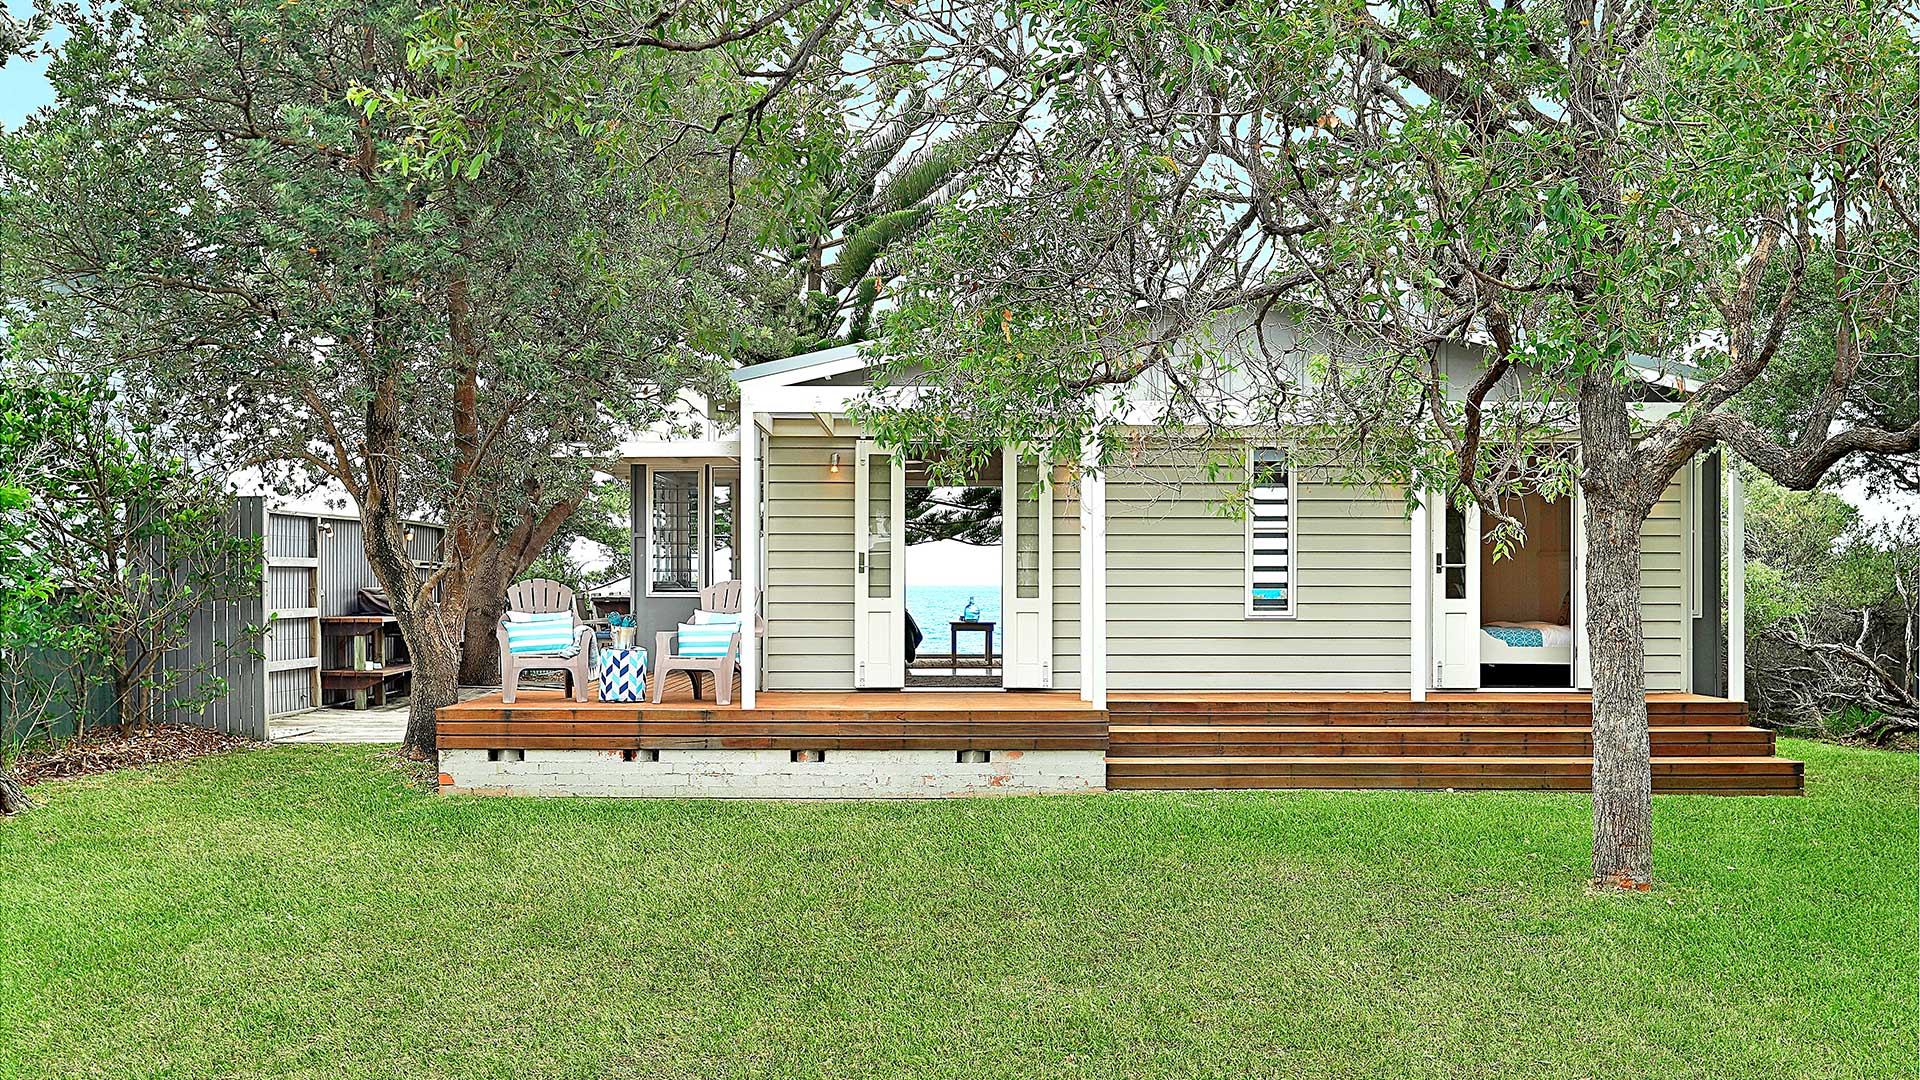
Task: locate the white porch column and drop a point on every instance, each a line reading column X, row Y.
column 1093, row 579
column 749, row 555
column 1422, row 589
column 1736, row 581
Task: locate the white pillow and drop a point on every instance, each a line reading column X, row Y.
column 703, row 617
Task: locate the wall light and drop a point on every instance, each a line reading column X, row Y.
column 409, row 535
column 834, row 468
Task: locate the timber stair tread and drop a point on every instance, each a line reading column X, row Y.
column 1411, row 718
column 1318, row 729
column 1135, row 740
column 1745, row 775
column 1446, row 760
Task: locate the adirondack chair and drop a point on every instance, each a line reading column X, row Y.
column 724, row 596
column 542, row 595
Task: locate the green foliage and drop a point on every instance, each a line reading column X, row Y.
column 604, row 522
column 1324, row 222
column 109, row 544
column 970, row 515
column 290, row 280
column 863, row 247
column 1833, row 609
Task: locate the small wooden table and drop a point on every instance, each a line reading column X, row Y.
column 961, row 626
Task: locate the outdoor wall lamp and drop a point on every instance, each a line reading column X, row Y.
column 409, row 535
column 834, row 468
column 326, row 529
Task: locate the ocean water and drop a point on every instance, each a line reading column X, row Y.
column 934, row 606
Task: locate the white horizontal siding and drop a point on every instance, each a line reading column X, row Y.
column 1176, row 590
column 1066, row 582
column 809, row 544
column 1663, row 593
column 809, row 573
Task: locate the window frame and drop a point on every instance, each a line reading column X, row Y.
column 699, row 538
column 1292, row 609
column 710, row 551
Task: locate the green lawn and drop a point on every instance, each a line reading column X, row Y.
column 301, row 911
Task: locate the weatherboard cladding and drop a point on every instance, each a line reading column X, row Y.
column 809, row 574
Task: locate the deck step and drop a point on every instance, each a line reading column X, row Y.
column 1671, row 774
column 1183, row 740
column 1406, row 715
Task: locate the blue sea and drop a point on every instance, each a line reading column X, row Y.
column 934, row 606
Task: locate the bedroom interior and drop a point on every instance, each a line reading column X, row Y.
column 1526, row 602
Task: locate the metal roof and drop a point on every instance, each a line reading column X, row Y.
column 796, row 363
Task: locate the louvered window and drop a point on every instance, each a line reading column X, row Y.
column 1270, row 535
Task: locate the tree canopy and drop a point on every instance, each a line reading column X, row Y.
column 1449, row 247
column 207, row 215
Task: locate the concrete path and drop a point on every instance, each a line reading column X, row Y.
column 381, row 724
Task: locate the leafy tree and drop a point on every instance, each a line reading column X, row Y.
column 1442, row 244
column 845, row 129
column 600, row 519
column 27, row 585
column 112, row 545
column 17, row 36
column 1833, row 610
column 208, row 214
column 970, row 515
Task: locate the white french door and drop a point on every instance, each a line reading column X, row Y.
column 1456, row 597
column 880, row 566
column 1026, row 585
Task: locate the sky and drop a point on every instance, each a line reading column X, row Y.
column 23, row 84
column 950, row 562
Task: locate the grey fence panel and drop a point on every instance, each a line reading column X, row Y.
column 222, row 644
column 292, row 655
column 267, row 646
column 343, row 566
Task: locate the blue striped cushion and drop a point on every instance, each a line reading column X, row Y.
column 540, row 633
column 705, row 641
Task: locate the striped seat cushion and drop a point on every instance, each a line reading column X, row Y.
column 702, row 642
column 540, row 633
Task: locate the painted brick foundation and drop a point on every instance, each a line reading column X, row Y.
column 773, row 774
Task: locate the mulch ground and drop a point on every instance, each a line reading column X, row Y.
column 108, row 749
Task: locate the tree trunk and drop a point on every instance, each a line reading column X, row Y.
column 1616, row 509
column 428, row 624
column 501, row 564
column 1622, row 772
column 13, row 795
column 436, row 684
column 486, row 601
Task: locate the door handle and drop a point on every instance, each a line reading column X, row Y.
column 860, row 563
column 1439, row 563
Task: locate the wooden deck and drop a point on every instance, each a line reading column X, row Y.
column 1508, row 740
column 943, row 720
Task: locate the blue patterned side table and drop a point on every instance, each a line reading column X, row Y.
column 623, row 674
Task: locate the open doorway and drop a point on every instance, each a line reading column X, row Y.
column 1526, row 602
column 954, row 536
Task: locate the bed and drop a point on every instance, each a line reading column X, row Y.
column 1526, row 643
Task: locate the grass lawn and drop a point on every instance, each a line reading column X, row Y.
column 302, row 911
